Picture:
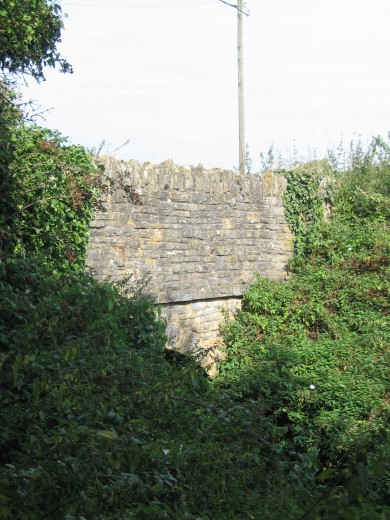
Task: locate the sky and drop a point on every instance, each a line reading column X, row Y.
column 163, row 75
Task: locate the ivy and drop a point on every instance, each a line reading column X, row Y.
column 304, row 200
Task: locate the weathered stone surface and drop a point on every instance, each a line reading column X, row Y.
column 199, row 236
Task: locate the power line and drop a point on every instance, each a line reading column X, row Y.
column 294, row 89
column 159, row 5
column 137, row 5
column 238, row 7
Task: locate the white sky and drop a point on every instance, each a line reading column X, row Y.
column 163, row 73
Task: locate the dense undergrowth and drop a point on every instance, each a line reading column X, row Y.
column 99, row 422
column 314, row 350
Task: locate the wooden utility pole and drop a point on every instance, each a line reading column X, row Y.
column 241, row 111
column 240, row 57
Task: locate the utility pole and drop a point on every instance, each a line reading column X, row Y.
column 240, row 58
column 241, row 110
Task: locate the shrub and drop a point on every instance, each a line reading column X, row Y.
column 49, row 193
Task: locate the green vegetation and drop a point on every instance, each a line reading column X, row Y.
column 29, row 33
column 96, row 423
column 46, row 188
column 48, row 191
column 99, row 422
column 313, row 351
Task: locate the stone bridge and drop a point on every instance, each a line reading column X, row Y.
column 199, row 236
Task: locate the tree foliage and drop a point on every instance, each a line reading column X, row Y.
column 97, row 423
column 30, row 31
column 46, row 187
column 10, row 118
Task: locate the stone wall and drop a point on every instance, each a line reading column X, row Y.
column 199, row 236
